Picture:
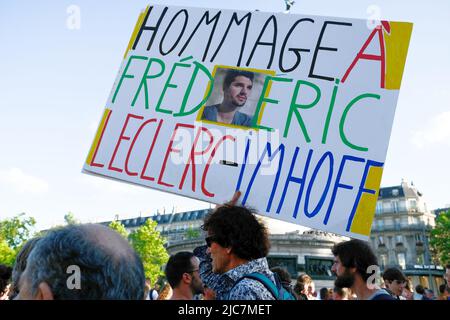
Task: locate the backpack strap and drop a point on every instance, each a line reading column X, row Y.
column 264, row 280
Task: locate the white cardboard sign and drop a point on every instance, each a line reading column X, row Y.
column 294, row 111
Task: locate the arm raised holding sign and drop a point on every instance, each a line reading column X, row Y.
column 237, row 244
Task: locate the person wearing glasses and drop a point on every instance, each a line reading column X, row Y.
column 237, row 244
column 182, row 273
column 394, row 281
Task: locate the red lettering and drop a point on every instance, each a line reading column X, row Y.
column 193, row 153
column 130, row 173
column 206, row 192
column 381, row 57
column 143, row 176
column 121, row 137
column 169, row 150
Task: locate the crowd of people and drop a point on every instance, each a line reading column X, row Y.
column 91, row 261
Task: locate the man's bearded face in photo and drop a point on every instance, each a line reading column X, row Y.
column 345, row 280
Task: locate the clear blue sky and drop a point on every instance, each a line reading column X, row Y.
column 54, row 83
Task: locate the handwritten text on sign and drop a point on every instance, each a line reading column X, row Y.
column 310, row 131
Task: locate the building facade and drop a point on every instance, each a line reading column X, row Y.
column 400, row 234
column 400, row 237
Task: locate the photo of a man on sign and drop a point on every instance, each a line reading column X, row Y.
column 237, row 86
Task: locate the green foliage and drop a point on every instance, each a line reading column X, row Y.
column 192, row 233
column 16, row 230
column 440, row 238
column 7, row 255
column 70, row 219
column 119, row 227
column 149, row 245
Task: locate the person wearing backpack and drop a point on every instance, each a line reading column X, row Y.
column 233, row 263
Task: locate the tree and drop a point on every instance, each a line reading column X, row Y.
column 192, row 233
column 149, row 245
column 440, row 238
column 119, row 227
column 70, row 219
column 14, row 232
column 7, row 255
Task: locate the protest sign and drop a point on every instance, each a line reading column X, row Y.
column 312, row 103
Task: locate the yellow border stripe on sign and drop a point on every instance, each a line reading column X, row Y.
column 365, row 211
column 397, row 42
column 98, row 136
column 136, row 30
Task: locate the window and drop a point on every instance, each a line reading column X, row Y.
column 401, row 260
column 402, row 205
column 395, row 206
column 414, row 220
column 380, row 223
column 399, row 239
column 380, row 240
column 379, row 208
column 395, row 192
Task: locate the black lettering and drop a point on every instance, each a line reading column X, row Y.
column 186, row 17
column 146, row 28
column 271, row 44
column 238, row 22
column 318, row 47
column 296, row 51
column 207, row 21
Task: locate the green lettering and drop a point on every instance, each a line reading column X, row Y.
column 263, row 99
column 144, row 80
column 293, row 108
column 125, row 75
column 344, row 116
column 198, row 66
column 330, row 111
column 168, row 84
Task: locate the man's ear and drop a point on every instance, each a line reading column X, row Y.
column 187, row 277
column 44, row 292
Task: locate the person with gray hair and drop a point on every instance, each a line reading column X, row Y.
column 20, row 265
column 82, row 262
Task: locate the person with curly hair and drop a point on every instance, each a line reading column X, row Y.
column 237, row 244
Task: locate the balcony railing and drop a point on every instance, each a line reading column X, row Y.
column 404, row 227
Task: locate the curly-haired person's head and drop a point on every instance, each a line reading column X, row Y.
column 237, row 227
